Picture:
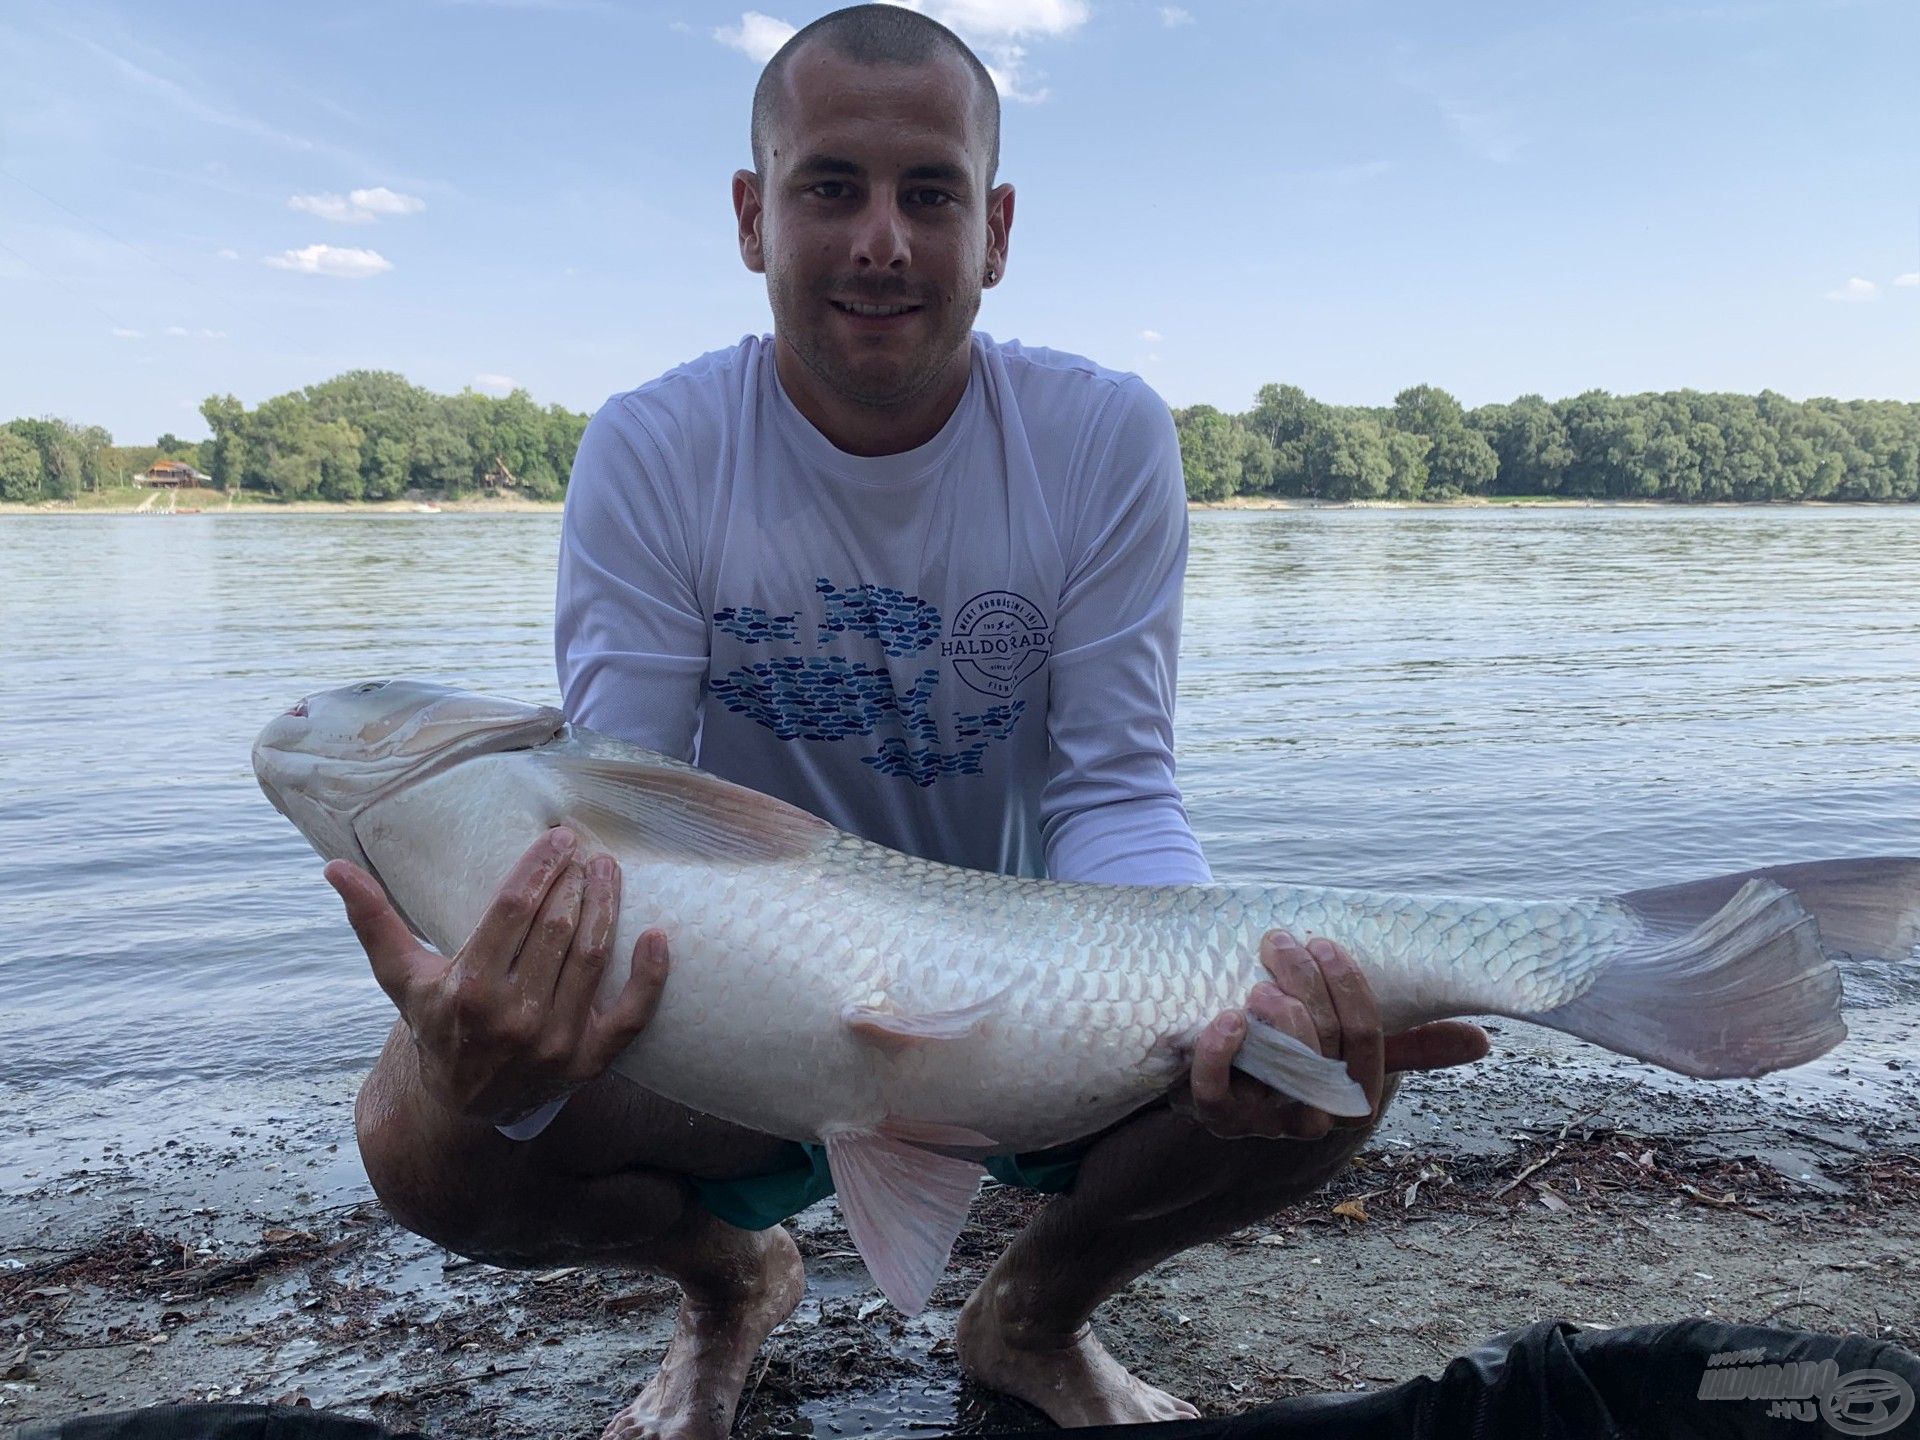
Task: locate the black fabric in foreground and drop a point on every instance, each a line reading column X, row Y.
column 1550, row 1381
column 1554, row 1381
column 215, row 1422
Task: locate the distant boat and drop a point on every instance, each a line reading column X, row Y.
column 427, row 509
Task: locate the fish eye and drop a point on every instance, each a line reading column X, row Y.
column 369, row 687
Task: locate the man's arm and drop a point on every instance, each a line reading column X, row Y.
column 1111, row 811
column 629, row 633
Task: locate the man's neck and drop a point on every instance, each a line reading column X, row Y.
column 864, row 429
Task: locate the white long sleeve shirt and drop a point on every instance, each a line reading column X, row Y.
column 965, row 651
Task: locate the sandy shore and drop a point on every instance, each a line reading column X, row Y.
column 242, row 1257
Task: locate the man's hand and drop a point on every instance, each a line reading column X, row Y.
column 1318, row 996
column 509, row 1022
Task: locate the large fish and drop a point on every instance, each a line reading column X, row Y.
column 914, row 1016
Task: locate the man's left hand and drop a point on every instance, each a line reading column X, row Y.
column 1318, row 996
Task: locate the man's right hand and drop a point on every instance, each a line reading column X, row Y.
column 509, row 1022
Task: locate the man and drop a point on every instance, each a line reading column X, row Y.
column 927, row 586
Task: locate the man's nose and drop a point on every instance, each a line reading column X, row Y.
column 880, row 236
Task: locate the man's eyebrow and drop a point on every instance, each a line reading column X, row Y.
column 827, row 165
column 938, row 170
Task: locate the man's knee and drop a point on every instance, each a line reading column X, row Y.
column 467, row 1192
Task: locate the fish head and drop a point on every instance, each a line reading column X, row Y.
column 335, row 753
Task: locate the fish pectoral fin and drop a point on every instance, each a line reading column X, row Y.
column 1292, row 1067
column 889, row 1028
column 904, row 1207
column 680, row 813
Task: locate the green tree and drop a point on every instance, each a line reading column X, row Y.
column 1212, row 452
column 20, row 474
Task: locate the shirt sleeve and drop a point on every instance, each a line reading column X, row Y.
column 629, row 633
column 1111, row 811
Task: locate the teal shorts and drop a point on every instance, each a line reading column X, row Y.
column 759, row 1202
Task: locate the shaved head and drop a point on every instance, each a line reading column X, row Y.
column 874, row 35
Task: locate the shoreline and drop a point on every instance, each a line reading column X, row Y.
column 216, row 505
column 244, row 1258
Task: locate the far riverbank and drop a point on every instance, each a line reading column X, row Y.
column 212, row 502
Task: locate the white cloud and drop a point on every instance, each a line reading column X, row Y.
column 121, row 332
column 358, row 207
column 496, row 384
column 1855, row 289
column 181, row 332
column 344, row 262
column 1173, row 15
column 382, row 201
column 1005, row 19
column 757, row 36
column 1908, row 281
column 1152, row 337
column 227, row 254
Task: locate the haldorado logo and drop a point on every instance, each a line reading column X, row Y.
column 997, row 640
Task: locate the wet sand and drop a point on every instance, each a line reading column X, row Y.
column 241, row 1257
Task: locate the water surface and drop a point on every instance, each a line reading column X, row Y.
column 1499, row 701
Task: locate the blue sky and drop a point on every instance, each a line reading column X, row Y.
column 1344, row 195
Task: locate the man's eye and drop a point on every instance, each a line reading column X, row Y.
column 931, row 198
column 828, row 189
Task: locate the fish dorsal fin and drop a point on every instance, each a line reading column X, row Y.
column 676, row 812
column 891, row 1029
column 904, row 1207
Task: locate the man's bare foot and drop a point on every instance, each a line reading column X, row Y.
column 1073, row 1379
column 694, row 1395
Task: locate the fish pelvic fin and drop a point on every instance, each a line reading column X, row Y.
column 679, row 813
column 1284, row 1063
column 1744, row 990
column 904, row 1207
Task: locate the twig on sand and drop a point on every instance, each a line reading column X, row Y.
column 408, row 1397
column 1544, row 1160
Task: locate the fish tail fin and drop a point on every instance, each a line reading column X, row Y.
column 1736, row 980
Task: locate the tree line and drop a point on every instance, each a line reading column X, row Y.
column 371, row 435
column 1684, row 445
column 364, row 435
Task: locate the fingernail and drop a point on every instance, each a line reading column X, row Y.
column 1285, row 938
column 1230, row 1024
column 601, row 868
column 564, row 840
column 1267, row 993
column 1320, row 949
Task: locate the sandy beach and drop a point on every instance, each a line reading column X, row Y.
column 245, row 1260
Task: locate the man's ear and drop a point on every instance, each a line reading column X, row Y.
column 999, row 227
column 746, row 210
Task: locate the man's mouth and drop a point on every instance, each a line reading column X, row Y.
column 871, row 312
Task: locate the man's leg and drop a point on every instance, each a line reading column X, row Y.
column 606, row 1183
column 1155, row 1186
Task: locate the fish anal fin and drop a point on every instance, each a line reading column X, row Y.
column 1289, row 1065
column 892, row 1029
column 676, row 812
column 904, row 1207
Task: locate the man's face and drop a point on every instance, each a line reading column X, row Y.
column 874, row 195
